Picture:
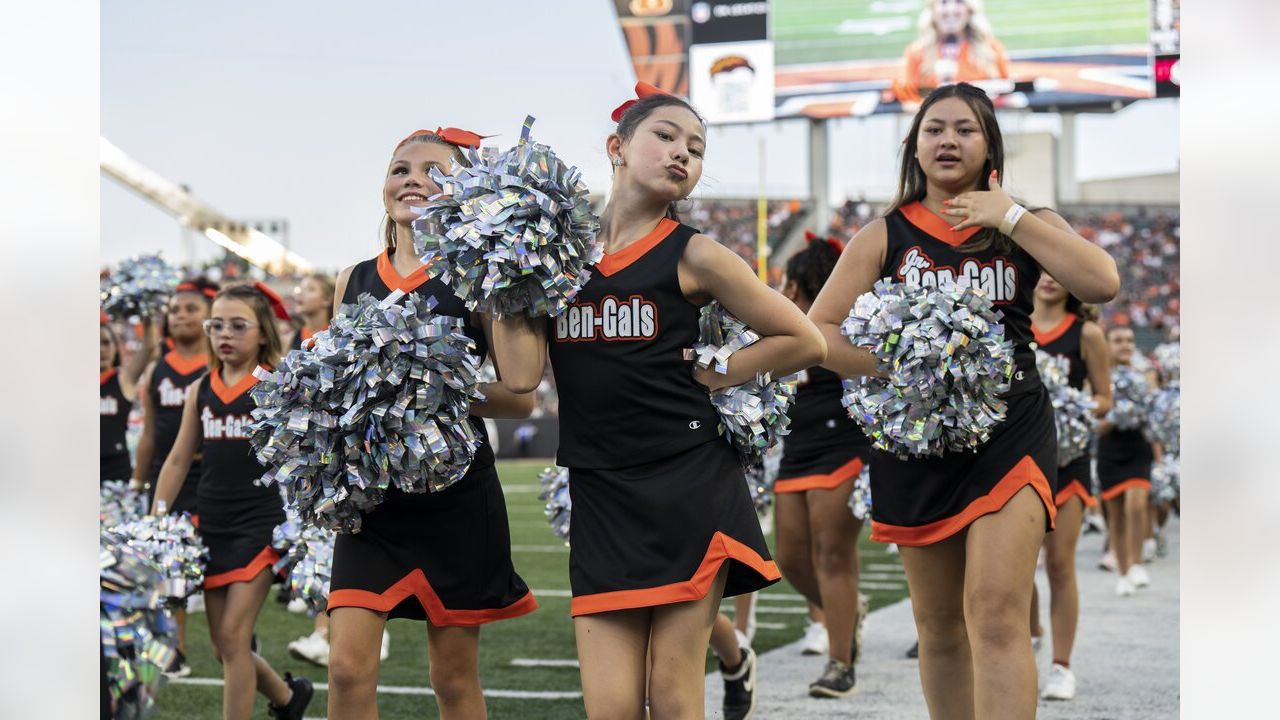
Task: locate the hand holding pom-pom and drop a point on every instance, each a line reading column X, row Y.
column 945, row 362
column 1072, row 408
column 513, row 233
column 135, row 627
column 1129, row 390
column 172, row 544
column 383, row 396
column 307, row 562
column 555, row 491
column 139, row 287
column 118, row 503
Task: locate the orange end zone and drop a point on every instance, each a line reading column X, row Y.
column 415, row 584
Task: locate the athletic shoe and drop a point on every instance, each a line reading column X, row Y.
column 179, row 667
column 297, row 606
column 1092, row 524
column 864, row 607
column 744, row 640
column 914, row 652
column 282, row 594
column 740, row 687
column 195, row 603
column 1139, row 577
column 837, row 680
column 313, row 648
column 1148, row 550
column 1061, row 684
column 299, row 699
column 816, row 641
column 1108, row 562
column 1124, row 586
column 385, row 652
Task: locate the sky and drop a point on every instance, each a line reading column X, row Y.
column 291, row 110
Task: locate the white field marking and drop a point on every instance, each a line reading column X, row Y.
column 536, row 662
column 883, row 586
column 402, row 690
column 883, row 576
column 780, row 597
column 552, row 593
column 780, row 610
column 772, row 626
column 884, row 567
column 540, row 548
column 521, row 488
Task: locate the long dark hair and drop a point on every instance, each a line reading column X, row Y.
column 642, row 109
column 912, row 184
column 810, row 266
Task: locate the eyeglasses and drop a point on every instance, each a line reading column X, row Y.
column 237, row 327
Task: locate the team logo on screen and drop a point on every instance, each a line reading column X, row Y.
column 613, row 319
column 998, row 278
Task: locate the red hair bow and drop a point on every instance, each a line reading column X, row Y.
column 277, row 304
column 643, row 90
column 453, row 136
column 192, row 287
column 835, row 244
column 102, row 317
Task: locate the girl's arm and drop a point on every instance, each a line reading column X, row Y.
column 499, row 401
column 788, row 341
column 855, row 273
column 174, row 473
column 1097, row 362
column 519, row 348
column 145, row 453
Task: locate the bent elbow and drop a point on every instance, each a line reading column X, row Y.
column 817, row 350
column 521, row 386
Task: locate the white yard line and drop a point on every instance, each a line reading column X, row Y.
column 403, row 690
column 539, row 662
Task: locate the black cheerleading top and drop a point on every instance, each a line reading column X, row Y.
column 1064, row 341
column 923, row 250
column 229, row 467
column 627, row 395
column 378, row 277
column 167, row 390
column 818, row 419
column 113, row 422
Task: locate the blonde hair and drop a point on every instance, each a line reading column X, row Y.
column 389, row 227
column 330, row 287
column 978, row 32
column 270, row 351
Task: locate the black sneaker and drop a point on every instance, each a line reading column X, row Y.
column 914, row 652
column 298, row 701
column 740, row 687
column 179, row 667
column 838, row 680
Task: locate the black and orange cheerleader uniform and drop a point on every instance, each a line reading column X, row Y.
column 113, row 424
column 304, row 334
column 1124, row 461
column 444, row 557
column 923, row 500
column 236, row 514
column 167, row 390
column 1075, row 479
column 660, row 501
column 825, row 447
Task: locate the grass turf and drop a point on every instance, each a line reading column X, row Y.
column 545, row 634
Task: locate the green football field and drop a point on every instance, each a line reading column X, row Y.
column 546, row 634
column 816, row 31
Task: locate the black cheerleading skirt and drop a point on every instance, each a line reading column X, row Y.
column 923, row 500
column 444, row 557
column 1124, row 462
column 825, row 469
column 114, row 467
column 1075, row 479
column 658, row 533
column 238, row 535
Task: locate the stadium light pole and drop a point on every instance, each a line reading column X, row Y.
column 819, row 174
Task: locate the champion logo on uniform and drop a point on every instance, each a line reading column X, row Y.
column 227, row 427
column 998, row 279
column 171, row 395
column 695, row 424
column 632, row 319
column 108, row 406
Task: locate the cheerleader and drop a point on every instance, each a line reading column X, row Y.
column 663, row 525
column 314, row 302
column 1125, row 458
column 1061, row 328
column 968, row 525
column 442, row 557
column 117, row 391
column 236, row 514
column 821, row 459
column 166, row 381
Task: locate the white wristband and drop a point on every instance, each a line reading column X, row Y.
column 1011, row 218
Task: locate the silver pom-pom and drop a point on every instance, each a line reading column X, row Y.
column 136, row 630
column 946, row 364
column 1168, row 361
column 1072, row 408
column 753, row 414
column 139, row 287
column 382, row 397
column 307, row 562
column 117, row 503
column 555, row 492
column 1166, row 479
column 172, row 543
column 860, row 498
column 759, row 487
column 1129, row 390
column 513, row 233
column 1164, row 418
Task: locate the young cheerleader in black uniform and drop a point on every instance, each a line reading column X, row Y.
column 968, row 525
column 822, row 457
column 236, row 515
column 117, row 391
column 663, row 526
column 442, row 557
column 1061, row 329
column 314, row 302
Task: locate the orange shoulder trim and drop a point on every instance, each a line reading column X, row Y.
column 920, row 216
column 612, row 263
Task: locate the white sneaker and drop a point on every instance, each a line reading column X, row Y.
column 385, row 652
column 816, row 641
column 1139, row 577
column 1061, row 684
column 744, row 640
column 891, row 548
column 313, row 648
column 1124, row 586
column 1108, row 562
column 1148, row 550
column 297, row 605
column 195, row 603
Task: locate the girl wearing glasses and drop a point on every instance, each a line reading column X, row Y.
column 236, row 515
